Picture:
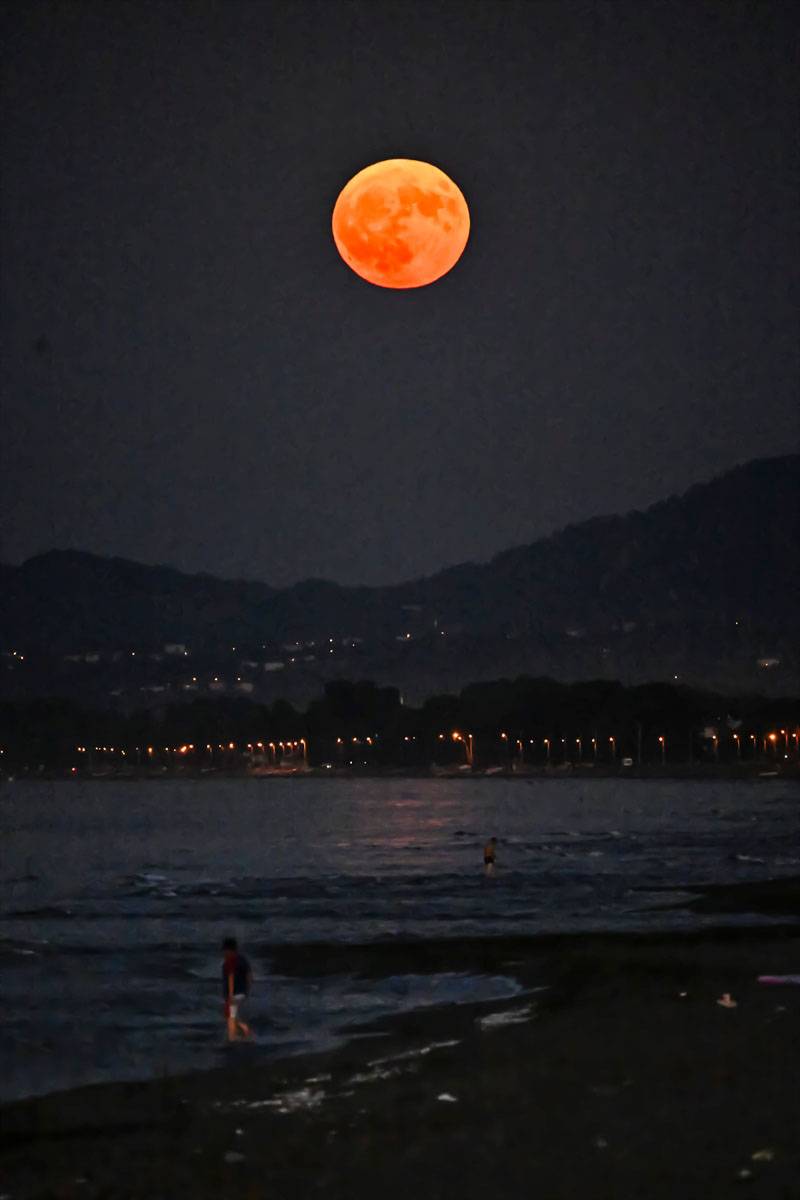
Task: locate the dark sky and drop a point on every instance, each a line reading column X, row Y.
column 193, row 376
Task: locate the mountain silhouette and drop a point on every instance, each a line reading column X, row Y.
column 703, row 580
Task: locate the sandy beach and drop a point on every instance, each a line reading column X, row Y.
column 625, row 1078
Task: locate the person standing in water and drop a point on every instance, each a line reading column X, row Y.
column 489, row 856
column 237, row 979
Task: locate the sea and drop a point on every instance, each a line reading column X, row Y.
column 115, row 898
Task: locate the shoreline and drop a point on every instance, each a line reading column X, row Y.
column 623, row 1078
column 763, row 772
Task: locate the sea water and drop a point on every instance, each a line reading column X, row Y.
column 115, row 897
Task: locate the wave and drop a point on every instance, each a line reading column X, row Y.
column 49, row 911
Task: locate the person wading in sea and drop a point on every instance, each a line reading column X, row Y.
column 489, row 856
column 237, row 979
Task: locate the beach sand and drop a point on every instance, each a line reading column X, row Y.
column 623, row 1079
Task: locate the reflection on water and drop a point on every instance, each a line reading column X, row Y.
column 114, row 897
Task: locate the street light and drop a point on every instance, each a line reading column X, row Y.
column 613, row 742
column 467, row 743
column 738, row 745
column 663, row 746
column 547, row 748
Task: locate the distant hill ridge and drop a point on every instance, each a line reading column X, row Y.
column 727, row 548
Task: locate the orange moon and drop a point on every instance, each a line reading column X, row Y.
column 400, row 223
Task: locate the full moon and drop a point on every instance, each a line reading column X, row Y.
column 400, row 223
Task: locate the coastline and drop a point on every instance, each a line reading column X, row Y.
column 623, row 1078
column 754, row 771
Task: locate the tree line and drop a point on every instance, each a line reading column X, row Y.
column 523, row 720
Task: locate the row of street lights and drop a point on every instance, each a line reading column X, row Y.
column 769, row 743
column 276, row 751
column 279, row 751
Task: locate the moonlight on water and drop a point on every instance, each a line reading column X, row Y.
column 401, row 223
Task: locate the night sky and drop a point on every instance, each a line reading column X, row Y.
column 193, row 376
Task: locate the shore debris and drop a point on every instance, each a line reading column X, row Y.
column 727, row 1001
column 282, row 1102
column 233, row 1156
column 765, row 1155
column 508, row 1016
column 778, row 980
column 375, row 1074
column 446, row 1096
column 415, row 1053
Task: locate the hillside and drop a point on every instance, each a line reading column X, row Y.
column 695, row 583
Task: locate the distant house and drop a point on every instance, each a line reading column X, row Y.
column 175, row 648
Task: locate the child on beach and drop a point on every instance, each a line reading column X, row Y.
column 236, row 982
